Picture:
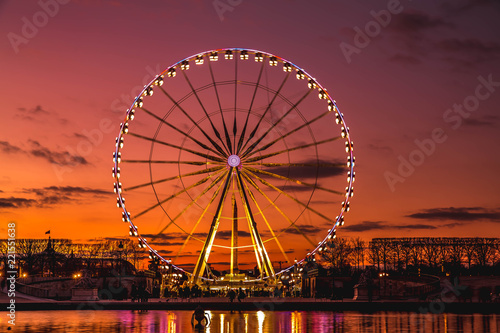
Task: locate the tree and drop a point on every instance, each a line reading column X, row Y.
column 358, row 246
column 338, row 253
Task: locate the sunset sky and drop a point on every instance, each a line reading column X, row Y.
column 418, row 82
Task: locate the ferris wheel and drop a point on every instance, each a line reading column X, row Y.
column 233, row 159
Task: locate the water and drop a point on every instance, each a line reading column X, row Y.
column 125, row 321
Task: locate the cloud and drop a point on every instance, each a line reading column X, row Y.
column 226, row 234
column 326, row 169
column 470, row 45
column 305, row 228
column 50, row 196
column 381, row 149
column 15, row 203
column 55, row 157
column 412, row 22
column 460, row 6
column 364, row 226
column 167, row 237
column 484, row 121
column 163, row 243
column 383, row 225
column 38, row 150
column 405, row 59
column 38, row 114
column 467, row 214
column 8, row 148
column 38, row 110
column 68, row 190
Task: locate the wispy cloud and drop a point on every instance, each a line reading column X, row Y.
column 304, row 228
column 383, row 225
column 414, row 22
column 8, row 148
column 36, row 149
column 15, row 203
column 482, row 121
column 50, row 196
column 38, row 114
column 311, row 168
column 56, row 157
column 467, row 214
column 405, row 59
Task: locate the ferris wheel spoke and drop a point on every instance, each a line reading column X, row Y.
column 266, row 183
column 299, row 182
column 259, row 248
column 190, row 235
column 259, row 158
column 253, row 145
column 195, row 123
column 192, row 202
column 226, row 133
column 243, row 132
column 235, row 99
column 207, row 156
column 198, row 183
column 207, row 246
column 289, row 133
column 289, row 220
column 175, row 128
column 194, row 173
column 276, row 94
column 319, row 165
column 172, row 162
column 267, row 223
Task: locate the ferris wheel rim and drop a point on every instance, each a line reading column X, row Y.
column 120, row 199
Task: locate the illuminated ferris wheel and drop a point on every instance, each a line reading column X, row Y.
column 238, row 160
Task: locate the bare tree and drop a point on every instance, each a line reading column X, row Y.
column 358, row 246
column 338, row 253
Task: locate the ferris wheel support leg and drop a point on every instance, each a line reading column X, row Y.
column 234, row 237
column 207, row 247
column 261, row 250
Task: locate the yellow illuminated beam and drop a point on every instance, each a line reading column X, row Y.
column 207, row 246
column 267, row 223
column 199, row 220
column 291, row 197
column 200, row 182
column 278, row 209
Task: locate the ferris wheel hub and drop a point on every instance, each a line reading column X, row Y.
column 234, row 161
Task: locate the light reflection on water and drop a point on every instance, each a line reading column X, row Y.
column 251, row 321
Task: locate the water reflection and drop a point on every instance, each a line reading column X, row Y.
column 251, row 321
